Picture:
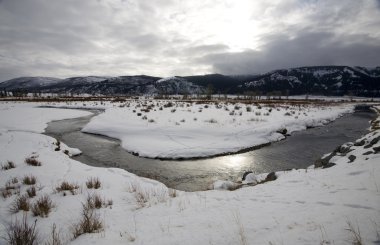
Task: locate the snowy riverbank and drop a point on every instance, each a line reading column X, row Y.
column 171, row 130
column 312, row 206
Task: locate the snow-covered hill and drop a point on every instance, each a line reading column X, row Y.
column 29, row 82
column 177, row 85
column 337, row 80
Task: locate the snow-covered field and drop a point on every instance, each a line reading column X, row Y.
column 313, row 206
column 162, row 129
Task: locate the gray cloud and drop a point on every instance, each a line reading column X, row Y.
column 307, row 49
column 173, row 37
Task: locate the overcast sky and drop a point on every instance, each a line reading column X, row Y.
column 63, row 38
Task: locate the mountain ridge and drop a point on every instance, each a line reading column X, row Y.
column 321, row 80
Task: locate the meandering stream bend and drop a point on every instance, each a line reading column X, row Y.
column 297, row 151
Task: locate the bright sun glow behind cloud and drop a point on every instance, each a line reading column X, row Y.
column 231, row 23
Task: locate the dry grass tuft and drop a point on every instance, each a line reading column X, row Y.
column 11, row 187
column 96, row 202
column 66, row 186
column 43, row 206
column 21, row 203
column 8, row 165
column 32, row 161
column 93, row 183
column 29, row 180
column 31, row 192
column 6, row 193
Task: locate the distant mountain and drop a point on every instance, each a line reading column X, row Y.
column 29, row 82
column 177, row 85
column 320, row 80
column 325, row 80
column 103, row 85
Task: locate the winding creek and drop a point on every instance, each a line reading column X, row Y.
column 300, row 150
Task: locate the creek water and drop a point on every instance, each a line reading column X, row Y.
column 299, row 150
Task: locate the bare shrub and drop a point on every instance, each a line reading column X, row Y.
column 20, row 233
column 173, row 110
column 144, row 117
column 172, row 192
column 94, row 201
column 31, row 192
column 212, row 120
column 55, row 238
column 29, row 180
column 21, row 203
column 151, row 121
column 142, row 197
column 6, row 193
column 11, row 187
column 98, row 201
column 356, row 238
column 248, row 108
column 182, row 121
column 10, row 184
column 8, row 165
column 133, row 186
column 89, row 223
column 109, row 202
column 58, row 144
column 43, row 206
column 169, row 104
column 257, row 113
column 93, row 183
column 66, row 186
column 32, row 161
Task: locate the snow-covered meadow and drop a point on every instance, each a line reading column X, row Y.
column 306, row 206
